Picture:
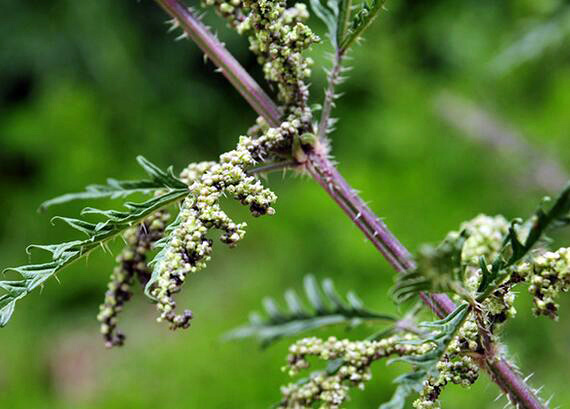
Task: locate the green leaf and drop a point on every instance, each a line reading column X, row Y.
column 272, row 310
column 360, row 20
column 335, row 14
column 7, row 304
column 441, row 333
column 295, row 305
column 327, row 16
column 64, row 254
column 314, row 294
column 343, row 19
column 115, row 189
column 327, row 308
column 514, row 250
column 487, row 275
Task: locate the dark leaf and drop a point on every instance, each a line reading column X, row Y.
column 64, row 254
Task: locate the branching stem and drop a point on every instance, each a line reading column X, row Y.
column 483, row 330
column 326, row 174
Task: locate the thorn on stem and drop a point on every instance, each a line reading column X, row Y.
column 182, row 36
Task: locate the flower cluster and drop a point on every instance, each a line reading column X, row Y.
column 485, row 239
column 456, row 366
column 453, row 265
column 460, row 371
column 194, row 171
column 279, row 39
column 231, row 10
column 331, row 389
column 132, row 265
column 548, row 275
column 278, row 36
column 466, row 340
column 188, row 249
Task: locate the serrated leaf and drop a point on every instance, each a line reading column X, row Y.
column 360, row 20
column 272, row 309
column 115, row 189
column 295, row 304
column 354, row 301
column 517, row 247
column 328, row 309
column 7, row 305
column 77, row 224
column 441, row 334
column 314, row 294
column 343, row 19
column 333, row 296
column 514, row 250
column 64, row 254
column 335, row 14
column 327, row 16
column 486, row 275
column 166, row 178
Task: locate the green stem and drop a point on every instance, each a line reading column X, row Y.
column 328, row 104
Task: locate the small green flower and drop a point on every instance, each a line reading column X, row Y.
column 548, row 275
column 331, row 390
column 460, row 370
column 188, row 248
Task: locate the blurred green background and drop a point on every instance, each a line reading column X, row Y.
column 454, row 108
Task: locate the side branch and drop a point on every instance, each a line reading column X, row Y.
column 333, row 80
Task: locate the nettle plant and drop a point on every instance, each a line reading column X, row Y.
column 468, row 280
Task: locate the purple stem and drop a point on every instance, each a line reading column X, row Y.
column 501, row 372
column 508, row 379
column 326, row 174
column 221, row 57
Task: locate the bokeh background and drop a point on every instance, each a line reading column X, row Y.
column 454, row 108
